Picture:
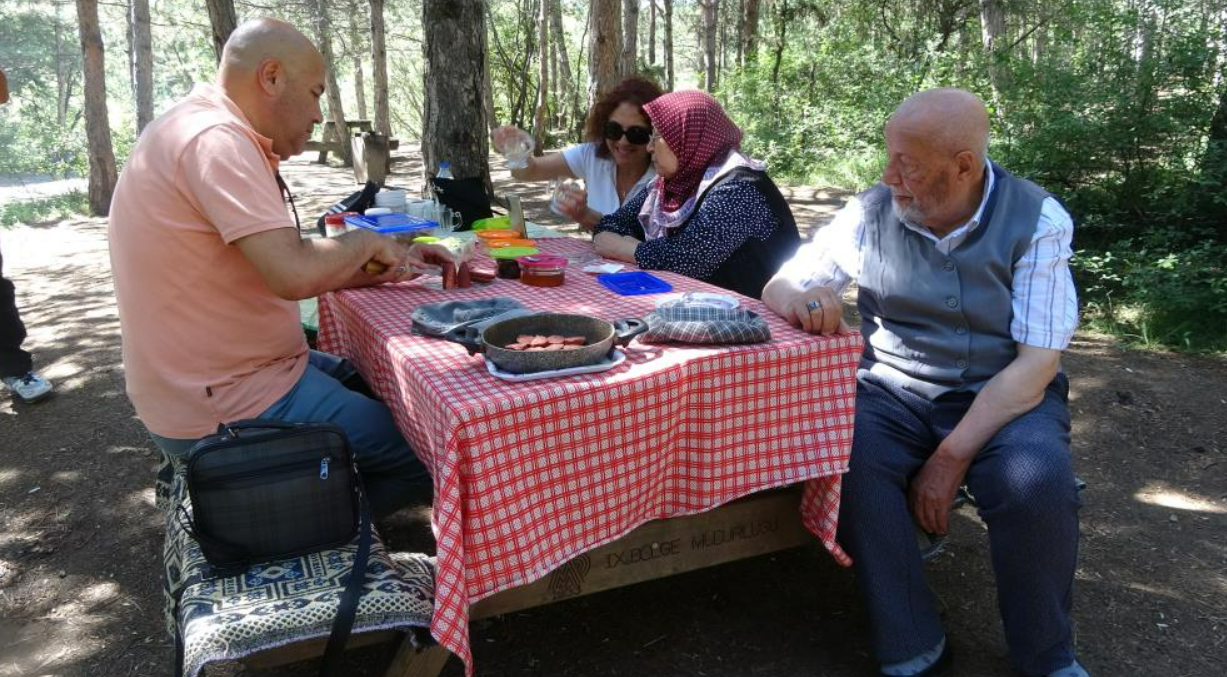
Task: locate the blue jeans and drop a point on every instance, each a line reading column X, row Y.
column 1024, row 485
column 391, row 473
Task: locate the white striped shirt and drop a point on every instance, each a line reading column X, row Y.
column 1045, row 303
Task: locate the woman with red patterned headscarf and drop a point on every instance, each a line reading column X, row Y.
column 712, row 213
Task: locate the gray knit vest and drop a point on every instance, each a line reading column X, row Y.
column 935, row 323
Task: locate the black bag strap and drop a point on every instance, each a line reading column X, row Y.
column 343, row 624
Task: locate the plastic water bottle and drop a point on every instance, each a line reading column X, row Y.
column 445, row 170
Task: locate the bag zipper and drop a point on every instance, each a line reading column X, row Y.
column 311, row 463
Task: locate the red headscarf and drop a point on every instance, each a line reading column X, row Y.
column 698, row 132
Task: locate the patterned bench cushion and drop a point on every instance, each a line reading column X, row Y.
column 283, row 602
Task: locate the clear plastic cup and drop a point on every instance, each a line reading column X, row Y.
column 517, row 148
column 559, row 190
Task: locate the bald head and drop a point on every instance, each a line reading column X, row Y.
column 952, row 120
column 275, row 76
column 260, row 40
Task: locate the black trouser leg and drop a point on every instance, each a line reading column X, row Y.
column 13, row 360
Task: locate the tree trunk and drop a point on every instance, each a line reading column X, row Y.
column 541, row 117
column 142, row 63
column 604, row 47
column 992, row 28
column 630, row 36
column 65, row 73
column 487, row 85
column 741, row 30
column 710, row 12
column 652, row 32
column 1214, row 169
column 336, row 112
column 454, row 115
column 223, row 20
column 749, row 34
column 102, row 174
column 722, row 61
column 356, row 44
column 669, row 45
column 563, row 73
column 379, row 60
column 782, row 16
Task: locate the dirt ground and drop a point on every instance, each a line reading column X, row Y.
column 80, row 537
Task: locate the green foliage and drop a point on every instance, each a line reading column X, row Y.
column 37, row 211
column 31, row 143
column 1165, row 288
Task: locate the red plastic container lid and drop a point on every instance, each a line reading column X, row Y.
column 338, row 218
column 542, row 261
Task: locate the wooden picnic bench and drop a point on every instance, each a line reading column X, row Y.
column 759, row 524
column 331, row 143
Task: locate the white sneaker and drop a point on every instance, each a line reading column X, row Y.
column 30, row 388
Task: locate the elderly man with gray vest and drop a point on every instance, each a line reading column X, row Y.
column 966, row 302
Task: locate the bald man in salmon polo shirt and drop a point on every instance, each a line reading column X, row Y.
column 209, row 267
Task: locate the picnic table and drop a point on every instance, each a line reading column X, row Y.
column 536, row 482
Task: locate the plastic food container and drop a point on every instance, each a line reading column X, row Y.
column 514, row 242
column 402, row 226
column 489, row 235
column 542, row 270
column 492, row 223
column 633, row 283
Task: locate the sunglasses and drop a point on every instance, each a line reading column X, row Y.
column 635, row 134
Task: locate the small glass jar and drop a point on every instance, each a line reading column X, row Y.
column 542, row 270
column 508, row 269
column 334, row 224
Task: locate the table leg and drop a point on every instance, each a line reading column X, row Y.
column 411, row 661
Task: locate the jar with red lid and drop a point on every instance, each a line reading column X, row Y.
column 542, row 270
column 334, row 224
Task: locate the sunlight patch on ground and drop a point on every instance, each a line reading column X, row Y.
column 66, row 476
column 143, row 498
column 1157, row 494
column 92, row 597
column 9, row 476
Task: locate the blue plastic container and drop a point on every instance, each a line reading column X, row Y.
column 395, row 223
column 633, row 283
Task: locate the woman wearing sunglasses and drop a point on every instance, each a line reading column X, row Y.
column 712, row 213
column 614, row 163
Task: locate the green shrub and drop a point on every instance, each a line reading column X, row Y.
column 47, row 209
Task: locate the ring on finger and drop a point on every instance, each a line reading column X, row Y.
column 402, row 270
column 814, row 305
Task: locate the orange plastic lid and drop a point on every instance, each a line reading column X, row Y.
column 498, row 234
column 495, row 244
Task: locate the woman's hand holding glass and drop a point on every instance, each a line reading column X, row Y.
column 514, row 144
column 568, row 198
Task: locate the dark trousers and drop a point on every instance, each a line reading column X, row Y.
column 1024, row 486
column 13, row 360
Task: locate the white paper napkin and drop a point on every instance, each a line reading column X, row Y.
column 600, row 268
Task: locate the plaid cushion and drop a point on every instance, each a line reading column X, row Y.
column 704, row 324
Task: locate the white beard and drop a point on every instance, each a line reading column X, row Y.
column 909, row 214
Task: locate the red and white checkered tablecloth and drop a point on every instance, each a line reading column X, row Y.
column 529, row 475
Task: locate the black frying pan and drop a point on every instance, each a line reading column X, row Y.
column 599, row 335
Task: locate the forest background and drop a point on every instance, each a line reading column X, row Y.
column 1119, row 107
